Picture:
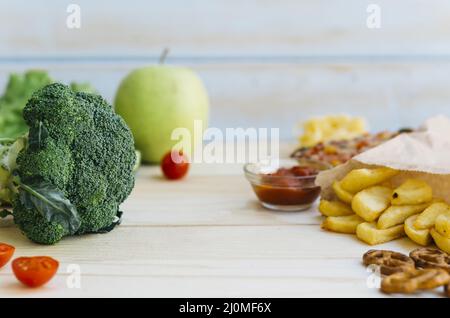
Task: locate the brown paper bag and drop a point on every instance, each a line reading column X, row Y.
column 423, row 154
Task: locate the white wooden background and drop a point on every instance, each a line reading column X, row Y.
column 265, row 63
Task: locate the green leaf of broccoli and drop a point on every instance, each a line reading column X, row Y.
column 51, row 203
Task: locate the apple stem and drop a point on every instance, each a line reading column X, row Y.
column 163, row 56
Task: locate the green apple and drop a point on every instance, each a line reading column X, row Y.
column 155, row 100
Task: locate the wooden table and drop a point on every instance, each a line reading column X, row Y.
column 205, row 236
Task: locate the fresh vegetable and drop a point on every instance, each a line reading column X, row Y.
column 75, row 168
column 9, row 149
column 175, row 165
column 6, row 252
column 35, row 271
column 19, row 89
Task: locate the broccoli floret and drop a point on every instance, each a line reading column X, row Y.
column 82, row 148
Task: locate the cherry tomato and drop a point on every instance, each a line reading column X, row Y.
column 175, row 165
column 35, row 271
column 6, row 252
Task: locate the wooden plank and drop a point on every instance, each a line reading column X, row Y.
column 199, row 261
column 224, row 28
column 391, row 95
column 141, row 243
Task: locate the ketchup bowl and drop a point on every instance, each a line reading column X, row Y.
column 285, row 185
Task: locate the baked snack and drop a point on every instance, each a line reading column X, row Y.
column 411, row 281
column 426, row 257
column 390, row 262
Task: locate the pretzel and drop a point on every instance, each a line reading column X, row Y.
column 431, row 258
column 411, row 281
column 390, row 262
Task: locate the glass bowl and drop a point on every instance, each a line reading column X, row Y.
column 284, row 192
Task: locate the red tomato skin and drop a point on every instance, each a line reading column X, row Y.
column 174, row 170
column 35, row 271
column 6, row 252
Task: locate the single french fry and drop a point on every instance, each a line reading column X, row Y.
column 428, row 217
column 334, row 208
column 412, row 191
column 360, row 179
column 343, row 195
column 442, row 224
column 369, row 233
column 441, row 241
column 342, row 224
column 371, row 202
column 397, row 214
column 421, row 237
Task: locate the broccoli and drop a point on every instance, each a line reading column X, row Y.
column 75, row 168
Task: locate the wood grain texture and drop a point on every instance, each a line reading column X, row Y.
column 224, row 28
column 390, row 95
column 222, row 245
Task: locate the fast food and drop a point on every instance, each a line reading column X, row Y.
column 334, row 208
column 428, row 217
column 421, row 237
column 424, row 269
column 430, row 258
column 343, row 195
column 412, row 191
column 371, row 202
column 342, row 224
column 390, row 262
column 397, row 214
column 360, row 179
column 411, row 281
column 369, row 233
column 331, row 127
column 441, row 241
column 442, row 224
column 340, row 151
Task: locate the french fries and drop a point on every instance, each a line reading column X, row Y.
column 397, row 214
column 343, row 195
column 334, row 208
column 369, row 233
column 421, row 237
column 412, row 191
column 441, row 241
column 342, row 224
column 442, row 224
column 367, row 206
column 371, row 202
column 360, row 179
column 428, row 217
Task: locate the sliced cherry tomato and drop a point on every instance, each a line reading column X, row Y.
column 175, row 165
column 6, row 252
column 35, row 271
